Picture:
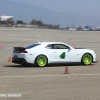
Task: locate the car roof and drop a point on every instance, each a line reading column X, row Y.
column 50, row 42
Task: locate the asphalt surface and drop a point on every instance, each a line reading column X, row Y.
column 48, row 83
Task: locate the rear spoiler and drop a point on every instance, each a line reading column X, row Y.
column 18, row 48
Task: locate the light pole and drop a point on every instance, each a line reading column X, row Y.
column 0, row 20
column 72, row 23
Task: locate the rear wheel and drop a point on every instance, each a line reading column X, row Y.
column 41, row 61
column 87, row 59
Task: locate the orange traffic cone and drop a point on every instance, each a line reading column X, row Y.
column 1, row 46
column 70, row 39
column 10, row 59
column 23, row 45
column 92, row 42
column 85, row 40
column 74, row 45
column 66, row 70
column 6, row 42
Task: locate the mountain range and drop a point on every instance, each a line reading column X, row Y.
column 28, row 12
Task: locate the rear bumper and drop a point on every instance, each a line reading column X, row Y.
column 19, row 60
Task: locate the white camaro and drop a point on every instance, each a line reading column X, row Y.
column 44, row 53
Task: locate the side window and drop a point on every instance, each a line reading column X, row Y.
column 48, row 46
column 31, row 46
column 57, row 46
column 62, row 46
column 54, row 46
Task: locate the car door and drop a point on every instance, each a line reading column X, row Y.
column 62, row 53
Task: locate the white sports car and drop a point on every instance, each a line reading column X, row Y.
column 44, row 53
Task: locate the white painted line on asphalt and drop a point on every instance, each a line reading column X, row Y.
column 27, row 93
column 13, row 29
column 36, row 76
column 14, row 94
column 20, row 93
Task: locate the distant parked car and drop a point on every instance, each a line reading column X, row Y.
column 19, row 25
column 97, row 28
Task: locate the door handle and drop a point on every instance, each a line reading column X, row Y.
column 54, row 52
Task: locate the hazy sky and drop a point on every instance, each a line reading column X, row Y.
column 72, row 6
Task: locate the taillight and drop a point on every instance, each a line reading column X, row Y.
column 24, row 51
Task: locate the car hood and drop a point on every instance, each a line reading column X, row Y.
column 83, row 49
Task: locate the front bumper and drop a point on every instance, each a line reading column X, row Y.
column 95, row 61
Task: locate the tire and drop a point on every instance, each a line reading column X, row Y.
column 41, row 61
column 87, row 59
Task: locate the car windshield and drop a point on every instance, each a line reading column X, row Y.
column 31, row 46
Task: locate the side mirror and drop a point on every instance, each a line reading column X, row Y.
column 69, row 48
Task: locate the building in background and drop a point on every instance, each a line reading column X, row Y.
column 6, row 20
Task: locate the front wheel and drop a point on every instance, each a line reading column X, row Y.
column 41, row 61
column 87, row 59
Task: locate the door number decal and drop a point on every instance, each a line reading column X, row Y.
column 63, row 55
